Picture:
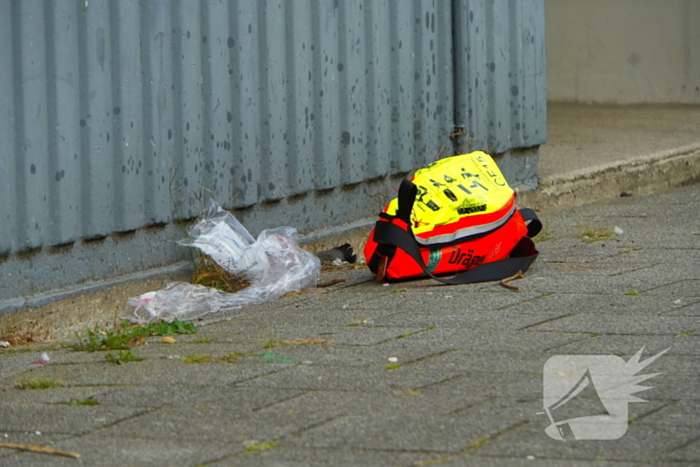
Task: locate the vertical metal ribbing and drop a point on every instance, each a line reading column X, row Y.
column 8, row 133
column 63, row 107
column 213, row 113
column 83, row 84
column 150, row 42
column 168, row 178
column 155, row 105
column 33, row 162
column 290, row 84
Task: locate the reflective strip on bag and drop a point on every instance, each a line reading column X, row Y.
column 467, row 231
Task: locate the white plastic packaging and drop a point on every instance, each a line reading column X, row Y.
column 274, row 264
column 219, row 235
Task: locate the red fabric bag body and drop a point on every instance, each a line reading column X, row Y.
column 490, row 238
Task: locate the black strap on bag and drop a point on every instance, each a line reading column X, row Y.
column 390, row 236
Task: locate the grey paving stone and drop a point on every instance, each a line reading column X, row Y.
column 677, row 365
column 193, row 396
column 674, row 413
column 155, row 371
column 310, row 377
column 493, row 342
column 61, row 419
column 686, row 309
column 484, row 320
column 99, row 450
column 611, row 304
column 623, row 324
column 333, row 311
column 666, row 259
column 579, row 281
column 661, row 463
column 12, row 364
column 496, row 461
column 292, row 456
column 232, row 426
column 380, row 404
column 673, row 387
column 688, row 453
column 405, row 349
column 8, row 455
column 641, row 443
column 577, row 252
column 354, row 330
column 453, row 299
column 688, row 288
column 405, row 432
column 466, row 361
column 626, row 345
column 51, row 396
column 521, row 386
column 160, row 351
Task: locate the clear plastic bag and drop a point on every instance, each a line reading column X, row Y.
column 177, row 300
column 219, row 235
column 274, row 264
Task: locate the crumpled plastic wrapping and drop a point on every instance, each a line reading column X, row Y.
column 274, row 264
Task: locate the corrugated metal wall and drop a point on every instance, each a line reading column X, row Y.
column 115, row 115
column 120, row 114
column 500, row 74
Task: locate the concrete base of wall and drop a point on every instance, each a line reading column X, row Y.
column 59, row 314
column 32, row 276
column 640, row 176
column 37, row 277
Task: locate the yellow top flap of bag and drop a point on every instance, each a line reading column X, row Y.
column 456, row 187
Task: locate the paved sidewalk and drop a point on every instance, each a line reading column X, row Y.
column 470, row 382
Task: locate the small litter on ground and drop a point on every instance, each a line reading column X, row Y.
column 278, row 359
column 42, row 360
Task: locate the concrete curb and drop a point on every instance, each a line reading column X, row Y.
column 643, row 175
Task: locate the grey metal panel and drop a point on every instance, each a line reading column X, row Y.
column 33, row 180
column 8, row 170
column 97, row 137
column 274, row 136
column 244, row 104
column 218, row 115
column 188, row 44
column 62, row 114
column 290, row 97
column 157, row 143
column 500, row 69
column 122, row 114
